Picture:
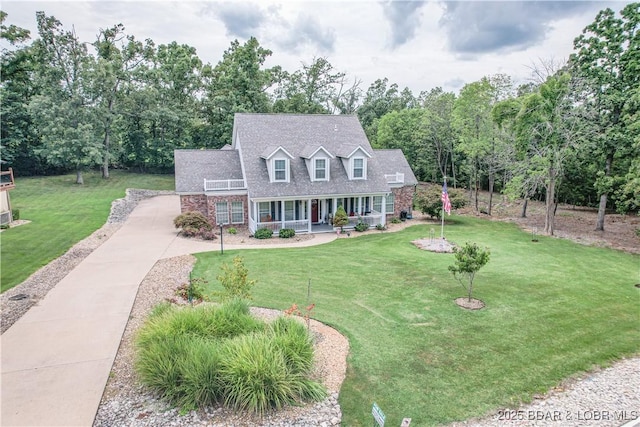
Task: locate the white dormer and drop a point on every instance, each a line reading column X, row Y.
column 354, row 160
column 318, row 161
column 278, row 164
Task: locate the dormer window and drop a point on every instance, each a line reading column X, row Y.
column 320, row 169
column 280, row 170
column 358, row 171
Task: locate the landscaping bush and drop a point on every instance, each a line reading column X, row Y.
column 340, row 219
column 235, row 281
column 429, row 201
column 15, row 214
column 263, row 233
column 190, row 232
column 193, row 220
column 207, row 234
column 395, row 220
column 197, row 356
column 232, row 230
column 286, row 233
column 361, row 226
column 380, row 227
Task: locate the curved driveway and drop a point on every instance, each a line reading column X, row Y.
column 56, row 359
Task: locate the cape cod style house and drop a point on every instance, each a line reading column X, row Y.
column 293, row 171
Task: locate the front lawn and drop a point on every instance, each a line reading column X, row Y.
column 554, row 308
column 62, row 213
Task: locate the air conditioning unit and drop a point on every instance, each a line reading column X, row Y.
column 5, row 218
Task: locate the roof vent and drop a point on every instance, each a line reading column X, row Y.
column 335, row 128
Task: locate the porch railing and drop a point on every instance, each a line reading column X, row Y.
column 224, row 184
column 394, row 178
column 373, row 219
column 300, row 226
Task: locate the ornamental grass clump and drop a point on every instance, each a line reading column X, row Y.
column 203, row 355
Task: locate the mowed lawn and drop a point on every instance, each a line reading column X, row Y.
column 554, row 309
column 61, row 214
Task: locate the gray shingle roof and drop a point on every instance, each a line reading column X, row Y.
column 394, row 161
column 296, row 133
column 194, row 166
column 258, row 135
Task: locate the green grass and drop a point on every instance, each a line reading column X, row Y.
column 61, row 213
column 554, row 309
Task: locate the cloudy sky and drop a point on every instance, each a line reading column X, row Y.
column 417, row 44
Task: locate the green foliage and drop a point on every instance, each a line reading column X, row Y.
column 469, row 260
column 395, row 220
column 286, row 233
column 192, row 220
column 16, row 214
column 429, row 200
column 340, row 219
column 232, row 230
column 380, row 227
column 195, row 357
column 263, row 233
column 235, row 281
column 192, row 291
column 361, row 226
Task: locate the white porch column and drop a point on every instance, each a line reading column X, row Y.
column 359, row 205
column 384, row 210
column 282, row 214
column 309, row 215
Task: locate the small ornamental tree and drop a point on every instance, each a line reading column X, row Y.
column 469, row 259
column 340, row 219
column 235, row 281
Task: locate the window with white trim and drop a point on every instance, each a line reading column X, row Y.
column 289, row 210
column 237, row 212
column 264, row 211
column 280, row 170
column 222, row 213
column 390, row 203
column 377, row 203
column 320, row 169
column 358, row 168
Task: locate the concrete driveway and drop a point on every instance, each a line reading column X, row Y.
column 56, row 359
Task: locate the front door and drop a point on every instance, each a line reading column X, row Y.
column 314, row 210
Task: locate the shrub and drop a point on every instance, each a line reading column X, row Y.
column 361, row 226
column 286, row 233
column 380, row 227
column 395, row 220
column 263, row 233
column 190, row 232
column 232, row 230
column 340, row 219
column 15, row 214
column 469, row 259
column 429, row 200
column 192, row 291
column 235, row 281
column 207, row 234
column 197, row 356
column 192, row 219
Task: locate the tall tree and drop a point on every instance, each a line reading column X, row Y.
column 549, row 126
column 608, row 57
column 62, row 113
column 117, row 56
column 238, row 83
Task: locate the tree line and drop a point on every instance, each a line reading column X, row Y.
column 572, row 134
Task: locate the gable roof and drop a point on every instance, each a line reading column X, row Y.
column 194, row 166
column 295, row 133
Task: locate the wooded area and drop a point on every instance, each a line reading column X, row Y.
column 572, row 134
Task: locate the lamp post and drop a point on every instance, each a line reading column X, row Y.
column 221, row 241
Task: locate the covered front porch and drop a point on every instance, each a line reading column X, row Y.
column 314, row 215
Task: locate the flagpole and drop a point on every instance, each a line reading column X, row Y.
column 442, row 226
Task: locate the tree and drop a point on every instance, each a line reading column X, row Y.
column 608, row 58
column 429, row 200
column 117, row 56
column 468, row 261
column 62, row 113
column 238, row 83
column 315, row 88
column 235, row 281
column 400, row 129
column 340, row 219
column 549, row 126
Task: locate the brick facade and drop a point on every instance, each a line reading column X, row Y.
column 403, row 200
column 206, row 205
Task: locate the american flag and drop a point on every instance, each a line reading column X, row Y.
column 446, row 203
